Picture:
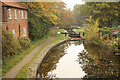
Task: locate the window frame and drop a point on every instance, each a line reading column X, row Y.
column 13, row 32
column 24, row 32
column 15, row 14
column 25, row 14
column 10, row 13
column 22, row 14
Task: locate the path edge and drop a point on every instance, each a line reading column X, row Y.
column 32, row 70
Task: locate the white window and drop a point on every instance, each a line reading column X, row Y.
column 19, row 11
column 10, row 14
column 14, row 33
column 25, row 14
column 24, row 32
column 15, row 14
column 22, row 15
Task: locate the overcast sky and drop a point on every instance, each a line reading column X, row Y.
column 70, row 3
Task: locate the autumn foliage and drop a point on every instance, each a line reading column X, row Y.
column 50, row 10
column 42, row 16
column 93, row 31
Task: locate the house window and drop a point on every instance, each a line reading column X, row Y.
column 10, row 14
column 25, row 14
column 14, row 33
column 22, row 15
column 15, row 14
column 24, row 32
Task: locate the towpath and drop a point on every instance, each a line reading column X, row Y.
column 15, row 70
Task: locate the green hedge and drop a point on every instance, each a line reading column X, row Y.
column 38, row 27
column 10, row 46
column 24, row 43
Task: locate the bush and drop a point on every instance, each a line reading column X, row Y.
column 108, row 28
column 106, row 33
column 10, row 46
column 93, row 32
column 105, row 28
column 24, row 42
column 118, row 43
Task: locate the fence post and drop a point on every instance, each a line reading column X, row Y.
column 83, row 34
column 79, row 34
column 65, row 33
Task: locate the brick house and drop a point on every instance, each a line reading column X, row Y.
column 15, row 18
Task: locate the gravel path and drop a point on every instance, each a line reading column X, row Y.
column 15, row 70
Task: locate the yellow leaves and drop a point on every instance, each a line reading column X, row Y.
column 56, row 7
column 101, row 36
column 38, row 15
column 96, row 12
column 48, row 10
column 103, row 5
column 97, row 4
column 54, row 11
column 55, row 17
column 115, row 6
column 92, row 29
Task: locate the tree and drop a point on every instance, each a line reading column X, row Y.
column 42, row 16
column 81, row 12
column 48, row 10
column 66, row 18
column 106, row 12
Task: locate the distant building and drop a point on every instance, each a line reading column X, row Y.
column 15, row 18
column 75, row 26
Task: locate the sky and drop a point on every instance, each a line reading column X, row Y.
column 71, row 3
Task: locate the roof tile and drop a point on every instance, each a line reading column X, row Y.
column 14, row 4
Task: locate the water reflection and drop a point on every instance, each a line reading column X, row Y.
column 50, row 61
column 63, row 62
column 99, row 62
column 76, row 59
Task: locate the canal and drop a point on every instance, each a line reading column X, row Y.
column 77, row 59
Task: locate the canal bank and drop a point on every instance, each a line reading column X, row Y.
column 77, row 59
column 32, row 70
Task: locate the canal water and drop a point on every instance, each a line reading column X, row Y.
column 77, row 59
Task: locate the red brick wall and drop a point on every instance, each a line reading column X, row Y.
column 13, row 24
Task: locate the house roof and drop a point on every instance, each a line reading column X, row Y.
column 14, row 4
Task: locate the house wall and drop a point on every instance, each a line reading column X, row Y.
column 13, row 24
column 4, row 17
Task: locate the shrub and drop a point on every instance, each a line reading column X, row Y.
column 106, row 33
column 93, row 32
column 10, row 46
column 24, row 42
column 105, row 28
column 118, row 43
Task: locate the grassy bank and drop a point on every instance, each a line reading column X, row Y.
column 23, row 71
column 60, row 36
column 15, row 59
column 60, row 30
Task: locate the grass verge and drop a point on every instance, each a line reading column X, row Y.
column 23, row 71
